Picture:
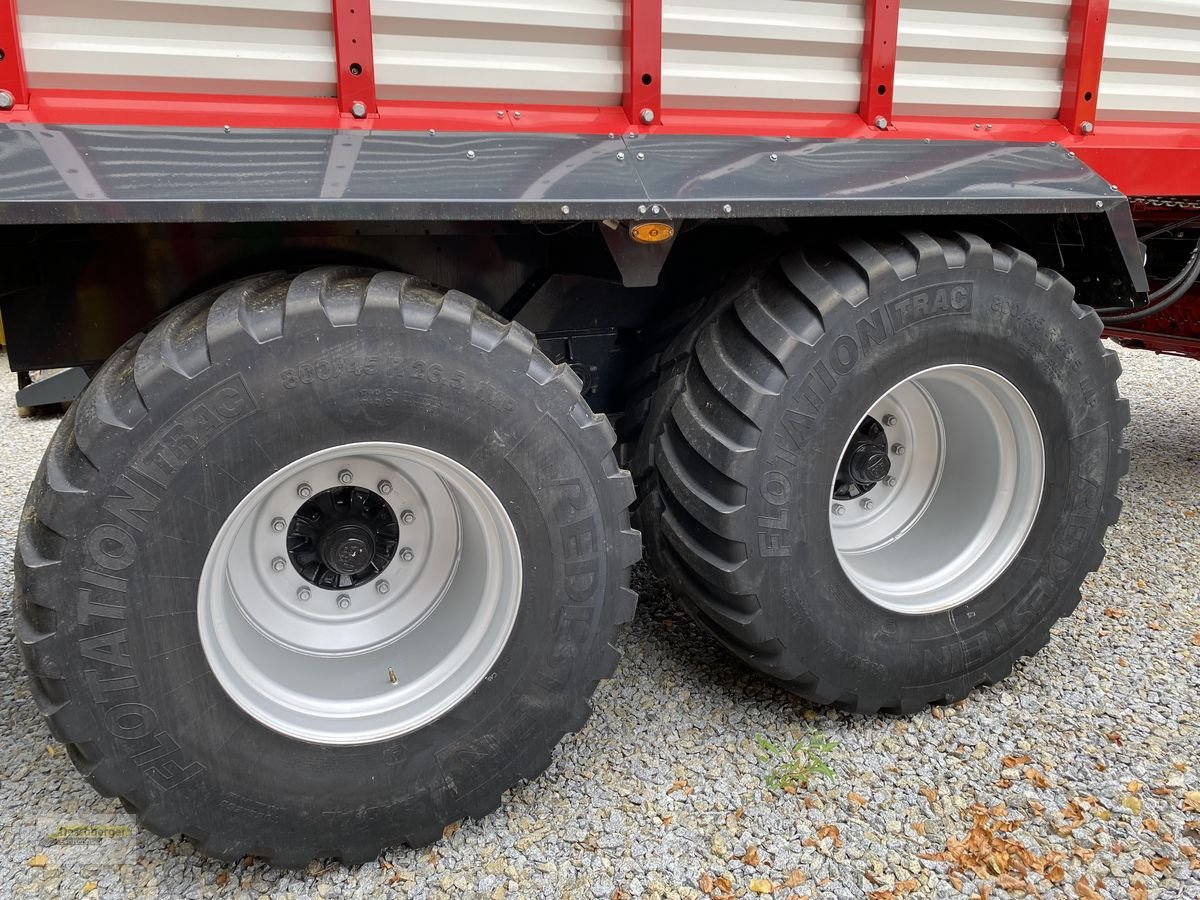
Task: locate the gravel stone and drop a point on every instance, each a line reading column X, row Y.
column 1110, row 701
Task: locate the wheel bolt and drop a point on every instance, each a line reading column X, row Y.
column 345, row 476
column 385, row 487
column 838, row 509
column 898, row 449
column 406, row 554
column 278, row 564
column 303, row 594
column 889, row 420
column 343, row 601
column 407, row 517
column 303, row 490
column 867, row 503
column 277, row 524
column 890, row 481
column 382, row 587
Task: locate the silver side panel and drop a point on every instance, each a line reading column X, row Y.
column 762, row 54
column 993, row 59
column 279, row 47
column 1151, row 61
column 506, row 51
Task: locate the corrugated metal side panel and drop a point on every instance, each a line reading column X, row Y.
column 999, row 58
column 506, row 51
column 1151, row 61
column 762, row 54
column 282, row 47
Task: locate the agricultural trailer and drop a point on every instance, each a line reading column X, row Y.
column 389, row 325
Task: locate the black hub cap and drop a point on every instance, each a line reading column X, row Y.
column 342, row 537
column 865, row 463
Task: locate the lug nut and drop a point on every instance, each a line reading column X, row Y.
column 898, row 449
column 304, row 594
column 343, row 601
column 889, row 421
column 278, row 564
column 407, row 517
column 838, row 509
column 304, row 490
column 382, row 587
column 345, row 476
column 867, row 503
column 406, row 554
column 385, row 487
column 890, row 481
column 278, row 524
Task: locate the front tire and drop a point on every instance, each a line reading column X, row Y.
column 419, row 557
column 794, row 565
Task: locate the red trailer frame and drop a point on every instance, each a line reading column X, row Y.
column 1141, row 159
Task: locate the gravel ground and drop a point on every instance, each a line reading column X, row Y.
column 1078, row 768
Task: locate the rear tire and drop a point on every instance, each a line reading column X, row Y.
column 227, row 395
column 755, row 424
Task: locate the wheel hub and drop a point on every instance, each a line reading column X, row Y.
column 865, row 462
column 342, row 537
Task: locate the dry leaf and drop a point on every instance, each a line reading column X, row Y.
column 794, row 878
column 1114, row 737
column 679, row 784
column 856, row 799
column 832, row 832
column 1055, row 874
column 1196, row 639
column 1143, row 866
column 39, row 861
column 1134, row 786
column 1113, row 613
column 450, row 829
column 1019, row 759
column 1154, row 626
column 222, row 879
column 724, row 885
column 1035, row 777
column 751, row 857
column 1085, row 891
column 907, row 886
column 1161, row 863
column 761, row 886
column 955, row 882
column 1137, row 891
column 706, row 883
column 1084, row 853
column 1191, row 801
column 1036, row 807
column 918, row 827
column 929, row 794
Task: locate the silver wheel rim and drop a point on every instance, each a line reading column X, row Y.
column 403, row 644
column 965, row 483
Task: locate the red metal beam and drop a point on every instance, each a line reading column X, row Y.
column 12, row 61
column 642, row 97
column 881, row 22
column 352, row 41
column 1081, row 71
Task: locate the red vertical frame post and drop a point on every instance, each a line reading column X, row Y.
column 13, row 82
column 355, row 57
column 880, row 25
column 1081, row 71
column 643, row 61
